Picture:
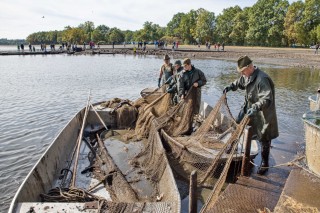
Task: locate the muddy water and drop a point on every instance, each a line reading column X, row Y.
column 40, row 94
column 123, row 153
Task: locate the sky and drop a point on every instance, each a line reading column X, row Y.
column 20, row 18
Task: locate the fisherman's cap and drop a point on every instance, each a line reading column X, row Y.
column 177, row 62
column 243, row 62
column 186, row 61
column 166, row 57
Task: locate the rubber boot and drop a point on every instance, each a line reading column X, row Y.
column 264, row 158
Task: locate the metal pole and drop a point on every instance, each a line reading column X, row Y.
column 245, row 169
column 193, row 192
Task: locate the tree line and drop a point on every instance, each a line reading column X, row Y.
column 266, row 23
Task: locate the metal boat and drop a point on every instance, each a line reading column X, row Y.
column 56, row 170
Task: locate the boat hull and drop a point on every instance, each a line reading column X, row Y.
column 45, row 174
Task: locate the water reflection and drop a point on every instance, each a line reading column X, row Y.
column 40, row 94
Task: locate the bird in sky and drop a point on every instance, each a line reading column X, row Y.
column 42, row 16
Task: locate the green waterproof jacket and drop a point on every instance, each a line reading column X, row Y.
column 186, row 82
column 260, row 96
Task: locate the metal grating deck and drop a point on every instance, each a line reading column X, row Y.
column 248, row 195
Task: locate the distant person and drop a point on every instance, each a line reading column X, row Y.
column 222, row 46
column 22, row 47
column 218, row 46
column 34, row 49
column 113, row 45
column 18, row 46
column 191, row 77
column 30, row 48
column 317, row 48
column 259, row 105
column 166, row 71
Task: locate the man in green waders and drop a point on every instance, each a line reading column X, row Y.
column 166, row 71
column 259, row 105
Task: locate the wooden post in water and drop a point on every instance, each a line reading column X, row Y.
column 245, row 169
column 193, row 192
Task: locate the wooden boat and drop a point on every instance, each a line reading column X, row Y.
column 129, row 184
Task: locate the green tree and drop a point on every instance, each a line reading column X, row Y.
column 115, row 35
column 187, row 27
column 240, row 27
column 97, row 36
column 226, row 21
column 204, row 26
column 172, row 28
column 128, row 36
column 74, row 35
column 275, row 36
column 266, row 19
column 292, row 20
column 311, row 19
column 88, row 28
column 140, row 35
column 318, row 33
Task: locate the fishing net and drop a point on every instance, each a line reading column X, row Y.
column 208, row 148
column 148, row 112
column 125, row 111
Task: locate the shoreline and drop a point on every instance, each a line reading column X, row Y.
column 290, row 57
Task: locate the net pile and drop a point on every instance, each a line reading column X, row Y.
column 125, row 111
column 209, row 149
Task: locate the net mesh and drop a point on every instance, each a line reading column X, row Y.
column 208, row 148
column 205, row 144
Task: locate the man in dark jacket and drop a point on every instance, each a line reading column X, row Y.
column 191, row 77
column 259, row 105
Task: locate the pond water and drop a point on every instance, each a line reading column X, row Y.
column 40, row 94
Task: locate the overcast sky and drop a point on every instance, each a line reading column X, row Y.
column 19, row 18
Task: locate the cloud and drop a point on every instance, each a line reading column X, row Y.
column 19, row 18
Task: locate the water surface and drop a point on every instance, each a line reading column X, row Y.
column 40, row 94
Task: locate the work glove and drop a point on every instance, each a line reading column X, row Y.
column 251, row 112
column 159, row 81
column 226, row 89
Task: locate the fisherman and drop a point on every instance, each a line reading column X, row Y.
column 191, row 77
column 166, row 70
column 173, row 81
column 259, row 105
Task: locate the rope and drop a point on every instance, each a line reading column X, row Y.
column 290, row 163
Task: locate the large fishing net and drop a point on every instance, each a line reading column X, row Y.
column 207, row 143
